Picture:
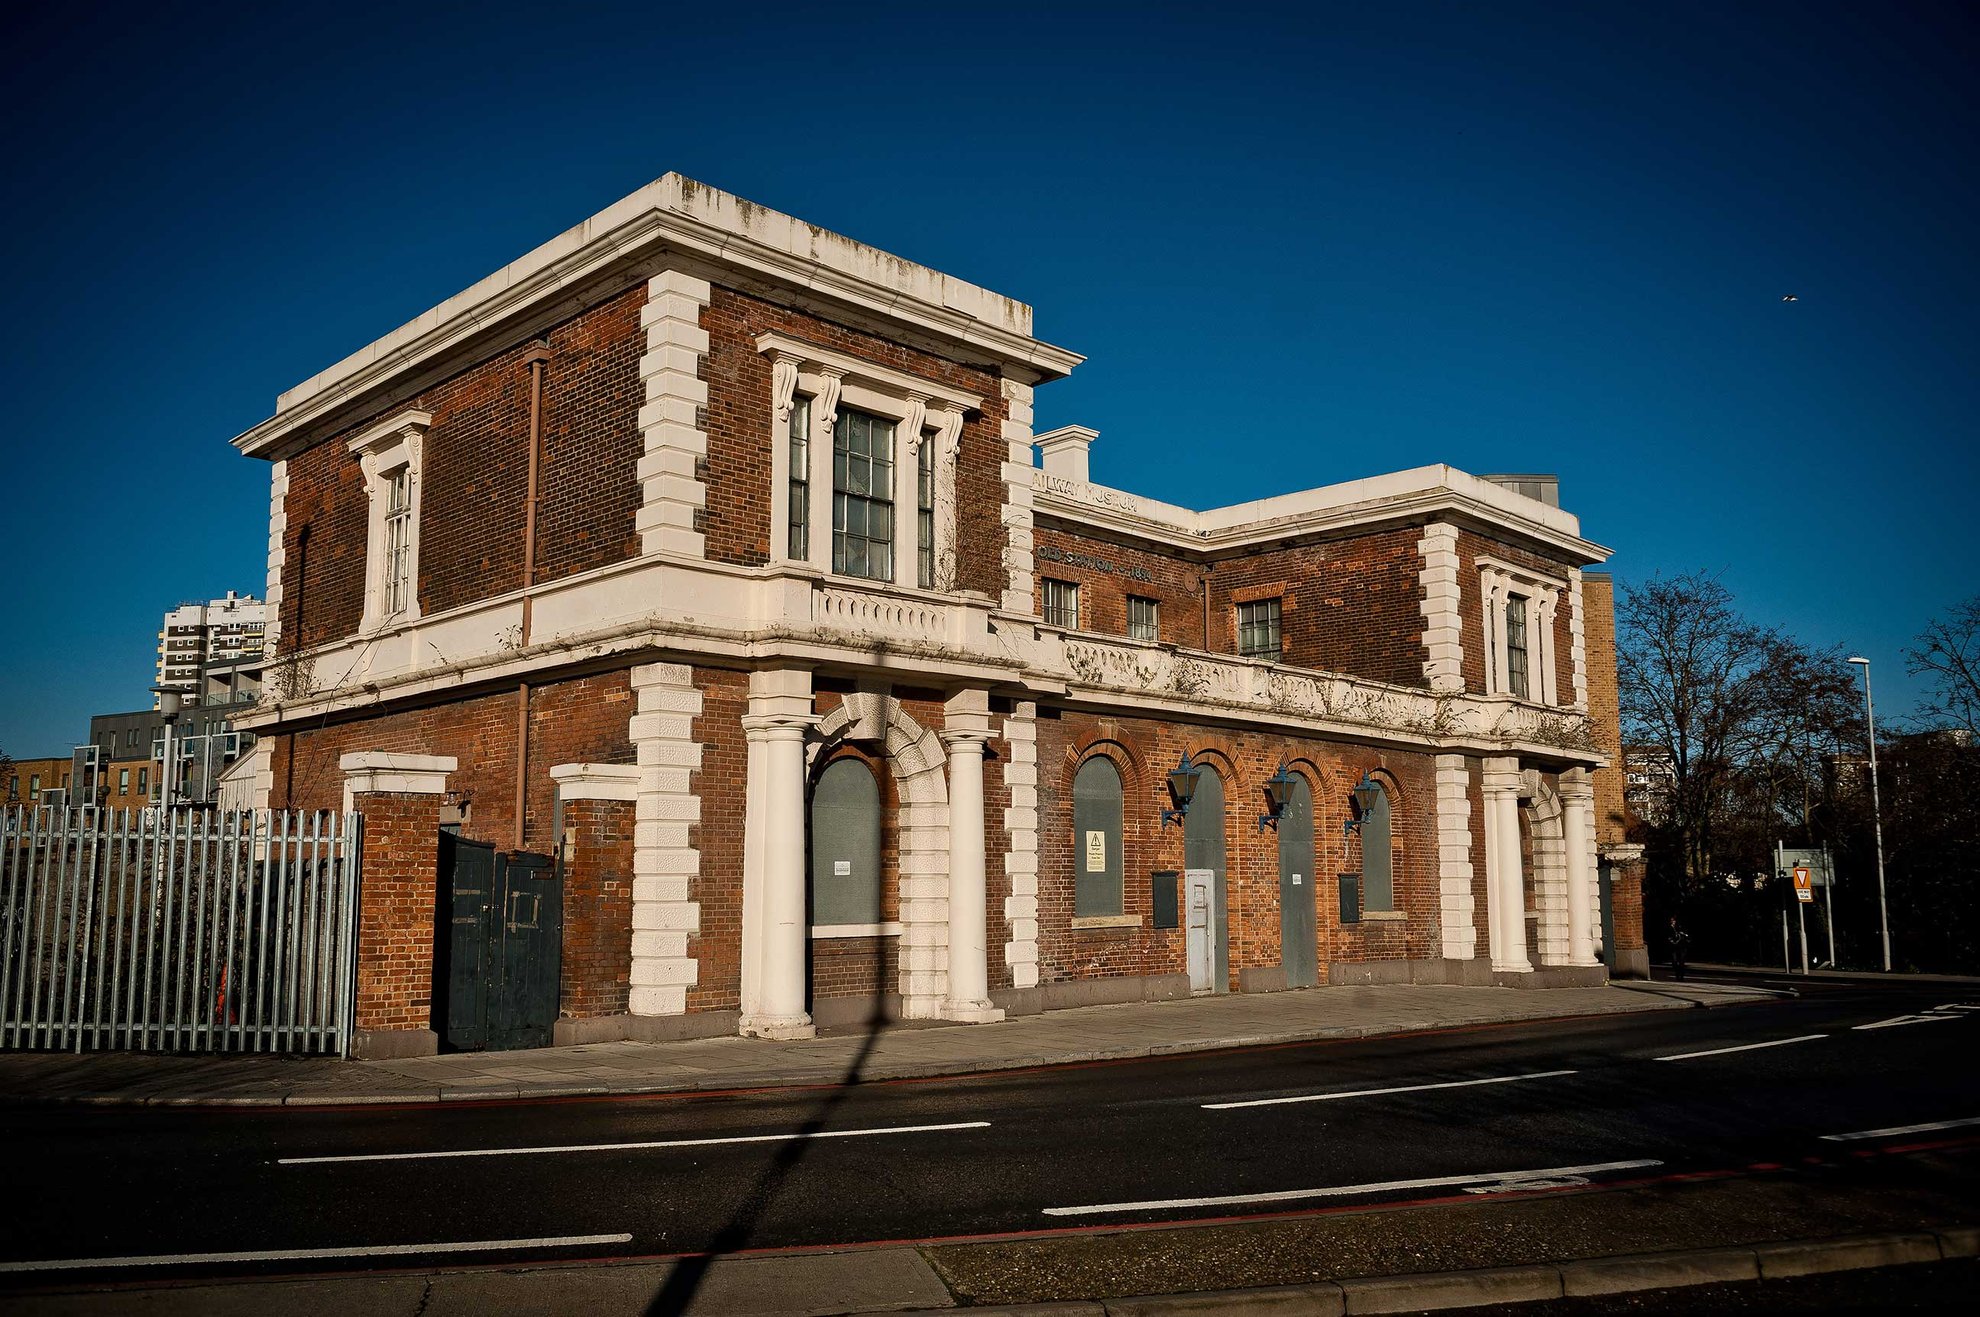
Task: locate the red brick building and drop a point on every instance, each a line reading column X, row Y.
column 708, row 550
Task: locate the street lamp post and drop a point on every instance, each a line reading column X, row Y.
column 1876, row 808
column 168, row 704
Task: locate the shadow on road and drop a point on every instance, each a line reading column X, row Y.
column 688, row 1275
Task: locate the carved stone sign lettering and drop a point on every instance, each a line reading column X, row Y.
column 1050, row 554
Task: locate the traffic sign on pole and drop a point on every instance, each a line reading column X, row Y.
column 1804, row 884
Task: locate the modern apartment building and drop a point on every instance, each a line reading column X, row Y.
column 213, row 652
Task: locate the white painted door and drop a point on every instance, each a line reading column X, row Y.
column 1199, row 887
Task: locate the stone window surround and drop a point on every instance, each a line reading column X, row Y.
column 1497, row 579
column 916, row 407
column 382, row 452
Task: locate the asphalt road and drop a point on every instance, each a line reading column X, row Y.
column 1447, row 1116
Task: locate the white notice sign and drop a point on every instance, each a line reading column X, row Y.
column 1295, row 880
column 842, row 868
column 1096, row 852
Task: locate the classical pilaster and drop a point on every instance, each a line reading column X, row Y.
column 1495, row 591
column 1578, row 832
column 1578, row 639
column 1541, row 646
column 775, row 942
column 1443, row 647
column 1021, row 830
column 665, row 864
column 672, row 493
column 278, row 532
column 1454, row 875
column 1018, row 561
column 1550, row 876
column 965, row 732
column 1504, row 887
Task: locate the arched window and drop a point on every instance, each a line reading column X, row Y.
column 1097, row 839
column 1378, row 882
column 845, row 845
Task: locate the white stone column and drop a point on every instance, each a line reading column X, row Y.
column 1504, row 889
column 752, row 891
column 776, row 928
column 1578, row 829
column 774, row 958
column 965, row 733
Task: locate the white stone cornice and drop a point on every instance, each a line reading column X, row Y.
column 860, row 371
column 1433, row 493
column 383, row 772
column 407, row 427
column 596, row 781
column 672, row 219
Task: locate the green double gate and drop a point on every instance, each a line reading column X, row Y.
column 501, row 947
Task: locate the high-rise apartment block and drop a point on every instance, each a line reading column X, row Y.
column 212, row 653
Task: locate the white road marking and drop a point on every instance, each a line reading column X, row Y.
column 1897, row 1020
column 293, row 1254
column 1743, row 1047
column 1506, row 1178
column 1904, row 1129
column 628, row 1147
column 1379, row 1092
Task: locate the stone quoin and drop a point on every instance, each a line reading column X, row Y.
column 708, row 551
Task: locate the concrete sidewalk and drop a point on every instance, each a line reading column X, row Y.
column 899, row 1052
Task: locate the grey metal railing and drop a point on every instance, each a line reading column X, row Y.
column 178, row 931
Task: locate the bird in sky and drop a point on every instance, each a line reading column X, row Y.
column 1790, row 298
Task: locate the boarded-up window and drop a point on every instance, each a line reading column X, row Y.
column 1097, row 839
column 1378, row 884
column 845, row 845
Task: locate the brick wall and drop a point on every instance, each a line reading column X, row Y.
column 598, row 872
column 1604, row 710
column 1626, row 905
column 1175, row 585
column 476, row 460
column 1347, row 606
column 739, row 435
column 582, row 720
column 1144, row 750
column 395, row 912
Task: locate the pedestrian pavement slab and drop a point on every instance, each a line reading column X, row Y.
column 1125, row 1031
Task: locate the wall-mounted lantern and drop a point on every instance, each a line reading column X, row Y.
column 1278, row 790
column 1367, row 794
column 1182, row 786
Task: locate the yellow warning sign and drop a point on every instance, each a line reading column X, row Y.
column 1804, row 883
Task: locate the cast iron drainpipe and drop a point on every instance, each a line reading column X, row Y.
column 536, row 358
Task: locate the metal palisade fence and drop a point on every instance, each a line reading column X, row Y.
column 178, row 931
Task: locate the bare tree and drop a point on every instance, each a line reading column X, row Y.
column 1948, row 651
column 1744, row 715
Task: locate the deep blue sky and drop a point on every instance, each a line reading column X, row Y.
column 1298, row 243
